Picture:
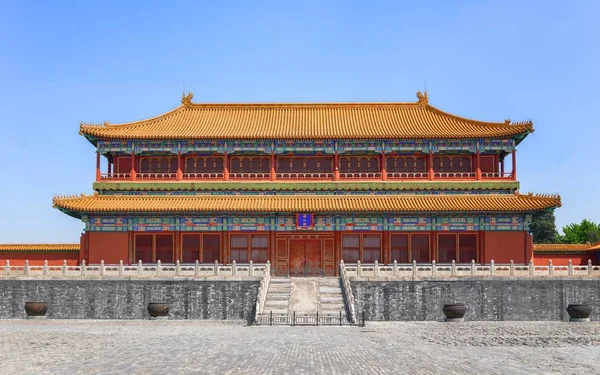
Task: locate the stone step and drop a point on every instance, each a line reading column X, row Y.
column 329, row 290
column 278, row 296
column 280, row 281
column 331, row 298
column 267, row 310
column 333, row 306
column 335, row 283
column 276, row 303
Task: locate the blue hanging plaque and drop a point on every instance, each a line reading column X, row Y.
column 304, row 221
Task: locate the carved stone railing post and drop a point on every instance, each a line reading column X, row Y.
column 251, row 269
column 395, row 269
column 376, row 269
column 26, row 268
column 262, row 291
column 82, row 268
column 570, row 268
column 531, row 269
column 102, row 268
column 433, row 268
column 7, row 268
column 589, row 267
column 216, row 268
column 158, row 268
column 177, row 268
column 121, row 268
column 347, row 292
column 550, row 268
column 64, row 268
column 512, row 268
column 140, row 268
column 233, row 268
column 492, row 267
column 358, row 269
column 473, row 267
column 453, row 268
column 45, row 268
column 197, row 268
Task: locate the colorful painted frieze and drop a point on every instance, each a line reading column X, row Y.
column 248, row 224
column 497, row 145
column 154, row 224
column 348, row 146
column 264, row 147
column 156, row 146
column 115, row 146
column 407, row 146
column 407, row 223
column 502, row 223
column 206, row 147
column 456, row 223
column 198, row 224
column 361, row 223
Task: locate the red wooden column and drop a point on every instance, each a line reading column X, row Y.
column 430, row 162
column 336, row 169
column 502, row 167
column 179, row 172
column 478, row 163
column 383, row 171
column 514, row 165
column 97, row 166
column 272, row 166
column 132, row 166
column 110, row 163
column 225, row 166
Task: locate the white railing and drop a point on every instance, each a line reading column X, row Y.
column 262, row 290
column 115, row 176
column 156, row 175
column 250, row 175
column 139, row 270
column 188, row 176
column 496, row 175
column 416, row 270
column 347, row 292
column 294, row 175
column 454, row 175
column 407, row 175
column 361, row 175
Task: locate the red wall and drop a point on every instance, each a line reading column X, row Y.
column 563, row 259
column 108, row 246
column 54, row 258
column 502, row 247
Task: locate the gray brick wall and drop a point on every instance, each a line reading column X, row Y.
column 127, row 299
column 491, row 299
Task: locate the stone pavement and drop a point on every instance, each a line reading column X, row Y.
column 159, row 347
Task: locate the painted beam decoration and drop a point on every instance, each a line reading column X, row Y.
column 305, row 146
column 317, row 223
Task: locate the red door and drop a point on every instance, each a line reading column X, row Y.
column 305, row 257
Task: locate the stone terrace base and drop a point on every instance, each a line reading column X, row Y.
column 78, row 346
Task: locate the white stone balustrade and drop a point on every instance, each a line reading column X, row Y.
column 136, row 270
column 457, row 270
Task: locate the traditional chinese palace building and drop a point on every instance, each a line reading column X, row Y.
column 305, row 186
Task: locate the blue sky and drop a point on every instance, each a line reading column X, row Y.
column 66, row 62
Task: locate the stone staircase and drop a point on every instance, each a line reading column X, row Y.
column 278, row 296
column 331, row 300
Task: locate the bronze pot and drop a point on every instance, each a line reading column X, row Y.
column 454, row 310
column 36, row 308
column 158, row 309
column 579, row 311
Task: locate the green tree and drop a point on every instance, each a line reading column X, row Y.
column 543, row 227
column 586, row 231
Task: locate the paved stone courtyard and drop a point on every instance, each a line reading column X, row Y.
column 159, row 347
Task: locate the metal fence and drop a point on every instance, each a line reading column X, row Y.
column 302, row 319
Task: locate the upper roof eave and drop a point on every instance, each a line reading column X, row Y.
column 306, row 121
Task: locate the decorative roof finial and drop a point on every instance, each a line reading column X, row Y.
column 507, row 121
column 186, row 100
column 423, row 100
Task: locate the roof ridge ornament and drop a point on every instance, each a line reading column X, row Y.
column 423, row 99
column 507, row 121
column 186, row 100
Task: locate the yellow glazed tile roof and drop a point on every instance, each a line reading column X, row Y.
column 38, row 247
column 306, row 121
column 559, row 247
column 306, row 203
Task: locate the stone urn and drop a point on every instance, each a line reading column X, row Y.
column 158, row 310
column 579, row 312
column 36, row 309
column 454, row 312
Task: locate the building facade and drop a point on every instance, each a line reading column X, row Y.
column 305, row 186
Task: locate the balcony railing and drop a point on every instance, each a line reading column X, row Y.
column 305, row 175
column 115, row 176
column 250, row 176
column 496, row 175
column 202, row 176
column 156, row 176
column 360, row 175
column 407, row 175
column 455, row 175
